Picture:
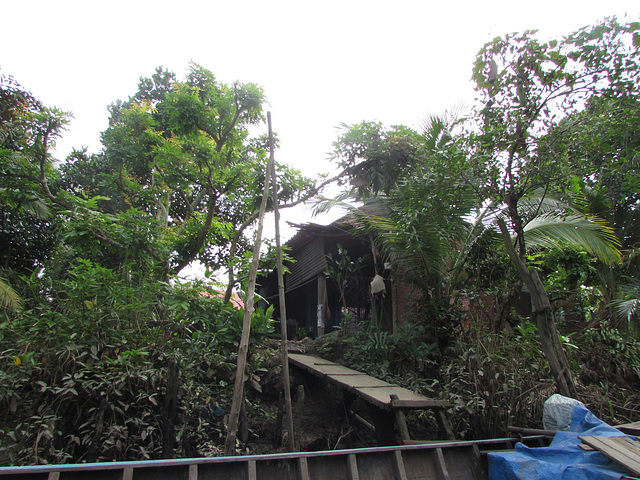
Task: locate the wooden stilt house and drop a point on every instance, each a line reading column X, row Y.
column 314, row 298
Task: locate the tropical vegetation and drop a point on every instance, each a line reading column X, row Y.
column 515, row 222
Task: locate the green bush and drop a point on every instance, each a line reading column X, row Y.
column 622, row 352
column 90, row 366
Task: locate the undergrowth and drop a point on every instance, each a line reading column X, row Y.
column 102, row 369
column 496, row 380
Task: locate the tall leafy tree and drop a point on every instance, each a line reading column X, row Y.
column 181, row 170
column 27, row 129
column 179, row 179
column 373, row 157
column 525, row 88
column 510, row 163
column 424, row 203
column 602, row 145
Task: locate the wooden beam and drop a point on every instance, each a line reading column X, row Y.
column 321, row 307
column 243, row 347
column 304, row 468
column 419, row 404
column 353, row 467
column 286, row 379
column 630, row 428
column 364, row 422
column 252, row 473
column 399, row 465
column 127, row 473
column 401, row 422
column 442, row 464
column 443, row 423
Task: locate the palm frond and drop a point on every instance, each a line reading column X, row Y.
column 8, row 296
column 480, row 226
column 324, row 204
column 417, row 246
column 38, row 208
column 592, row 234
column 627, row 306
column 436, row 129
column 541, row 204
column 627, row 310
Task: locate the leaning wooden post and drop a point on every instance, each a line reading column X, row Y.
column 238, row 391
column 283, row 307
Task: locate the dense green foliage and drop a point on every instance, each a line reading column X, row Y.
column 517, row 177
column 104, row 354
column 96, row 368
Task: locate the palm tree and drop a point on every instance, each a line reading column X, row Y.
column 424, row 224
column 542, row 221
column 445, row 202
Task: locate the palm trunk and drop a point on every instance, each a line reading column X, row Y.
column 543, row 316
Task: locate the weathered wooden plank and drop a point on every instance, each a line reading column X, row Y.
column 415, row 403
column 334, row 370
column 319, row 366
column 630, row 428
column 304, row 468
column 359, row 380
column 251, row 470
column 353, row 467
column 376, row 392
column 371, row 389
column 399, row 464
column 308, row 360
column 622, row 450
column 382, row 396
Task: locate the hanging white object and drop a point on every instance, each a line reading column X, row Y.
column 377, row 284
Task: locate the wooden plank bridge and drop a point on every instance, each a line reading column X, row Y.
column 388, row 401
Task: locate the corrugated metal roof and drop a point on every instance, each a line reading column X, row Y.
column 310, row 262
column 309, row 249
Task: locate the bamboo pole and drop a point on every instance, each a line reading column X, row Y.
column 281, row 297
column 238, row 391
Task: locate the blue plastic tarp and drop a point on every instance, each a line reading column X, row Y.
column 563, row 459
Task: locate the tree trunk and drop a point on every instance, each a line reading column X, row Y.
column 549, row 336
column 505, row 304
column 170, row 410
column 286, row 380
column 243, row 348
column 543, row 317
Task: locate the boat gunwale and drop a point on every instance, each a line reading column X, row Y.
column 70, row 467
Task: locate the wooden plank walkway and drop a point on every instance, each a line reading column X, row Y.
column 377, row 393
column 372, row 390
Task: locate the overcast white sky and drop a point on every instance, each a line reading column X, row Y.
column 320, row 63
